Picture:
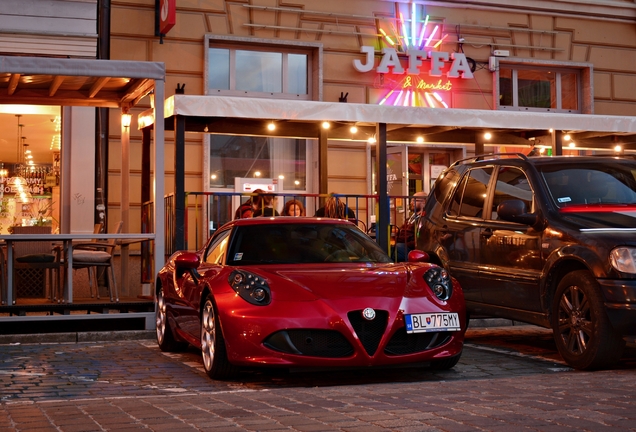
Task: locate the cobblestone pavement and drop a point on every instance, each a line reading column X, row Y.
column 508, row 379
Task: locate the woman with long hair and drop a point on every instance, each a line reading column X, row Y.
column 294, row 207
column 335, row 208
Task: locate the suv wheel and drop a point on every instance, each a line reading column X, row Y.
column 582, row 331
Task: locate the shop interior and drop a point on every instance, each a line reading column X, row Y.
column 30, row 137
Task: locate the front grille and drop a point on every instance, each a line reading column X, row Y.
column 369, row 332
column 306, row 342
column 403, row 343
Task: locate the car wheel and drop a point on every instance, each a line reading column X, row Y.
column 582, row 331
column 213, row 350
column 445, row 364
column 165, row 339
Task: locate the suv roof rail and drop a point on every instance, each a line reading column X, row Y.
column 490, row 156
column 626, row 156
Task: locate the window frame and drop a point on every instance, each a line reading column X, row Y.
column 313, row 51
column 492, row 191
column 583, row 71
column 218, row 242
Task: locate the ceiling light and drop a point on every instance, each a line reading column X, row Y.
column 271, row 126
column 618, row 149
column 325, row 125
column 487, row 135
column 572, row 144
column 566, row 137
column 420, row 139
column 353, row 129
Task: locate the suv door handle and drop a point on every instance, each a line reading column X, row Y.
column 486, row 233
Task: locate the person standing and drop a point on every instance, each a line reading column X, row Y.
column 405, row 238
column 264, row 205
column 334, row 208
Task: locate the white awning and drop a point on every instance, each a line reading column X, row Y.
column 301, row 119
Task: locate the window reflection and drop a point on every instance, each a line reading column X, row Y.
column 219, row 68
column 244, row 156
column 297, row 67
column 259, row 71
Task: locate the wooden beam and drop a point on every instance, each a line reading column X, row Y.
column 136, row 92
column 55, row 84
column 13, row 83
column 101, row 82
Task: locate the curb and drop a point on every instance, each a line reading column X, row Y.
column 42, row 338
column 492, row 322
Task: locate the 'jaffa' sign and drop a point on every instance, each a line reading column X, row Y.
column 455, row 65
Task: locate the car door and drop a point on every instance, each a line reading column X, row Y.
column 460, row 234
column 190, row 290
column 510, row 260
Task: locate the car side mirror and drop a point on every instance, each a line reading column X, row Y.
column 189, row 262
column 516, row 211
column 418, row 256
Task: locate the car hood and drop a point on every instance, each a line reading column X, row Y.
column 601, row 216
column 336, row 282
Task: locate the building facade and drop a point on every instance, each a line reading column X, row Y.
column 541, row 57
column 549, row 56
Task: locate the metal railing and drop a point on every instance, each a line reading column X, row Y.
column 207, row 211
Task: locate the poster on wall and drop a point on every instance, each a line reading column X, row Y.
column 436, row 170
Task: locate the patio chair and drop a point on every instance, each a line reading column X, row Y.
column 98, row 254
column 34, row 263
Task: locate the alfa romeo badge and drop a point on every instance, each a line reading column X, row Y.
column 368, row 314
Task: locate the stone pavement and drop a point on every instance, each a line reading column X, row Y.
column 127, row 385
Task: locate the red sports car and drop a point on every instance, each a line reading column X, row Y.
column 306, row 292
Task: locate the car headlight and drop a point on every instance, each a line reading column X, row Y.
column 623, row 259
column 440, row 282
column 250, row 287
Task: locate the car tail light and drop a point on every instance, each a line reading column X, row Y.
column 250, row 287
column 440, row 282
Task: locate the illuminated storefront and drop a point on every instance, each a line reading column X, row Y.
column 484, row 77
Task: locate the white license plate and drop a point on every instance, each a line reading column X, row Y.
column 430, row 322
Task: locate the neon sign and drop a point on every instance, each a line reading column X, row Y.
column 390, row 60
column 414, row 42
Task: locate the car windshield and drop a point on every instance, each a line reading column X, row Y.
column 295, row 243
column 585, row 184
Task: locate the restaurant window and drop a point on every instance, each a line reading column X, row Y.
column 272, row 71
column 539, row 89
column 233, row 156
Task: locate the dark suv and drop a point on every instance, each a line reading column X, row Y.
column 544, row 240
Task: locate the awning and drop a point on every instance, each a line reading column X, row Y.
column 97, row 83
column 302, row 119
column 76, row 82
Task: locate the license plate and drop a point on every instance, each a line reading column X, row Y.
column 432, row 322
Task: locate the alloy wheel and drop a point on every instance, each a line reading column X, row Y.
column 574, row 320
column 208, row 335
